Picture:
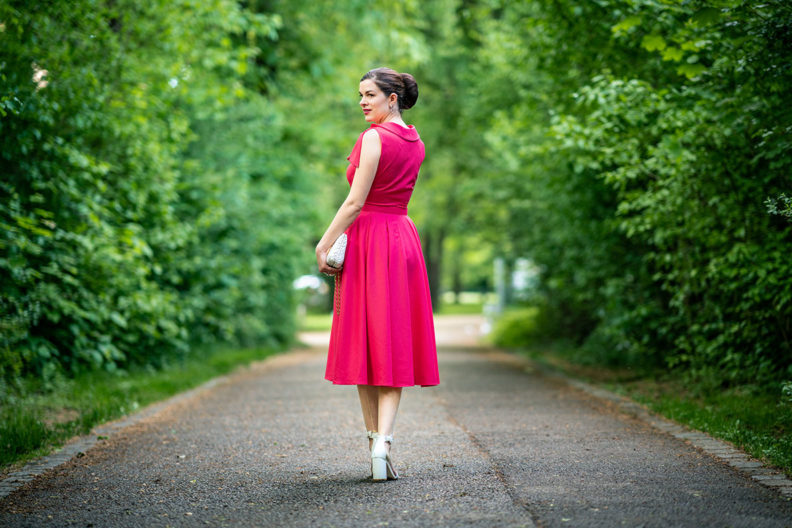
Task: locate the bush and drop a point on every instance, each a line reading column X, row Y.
column 646, row 171
column 520, row 327
column 138, row 201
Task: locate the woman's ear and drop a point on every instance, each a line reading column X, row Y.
column 392, row 98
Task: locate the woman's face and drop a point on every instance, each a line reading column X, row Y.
column 375, row 104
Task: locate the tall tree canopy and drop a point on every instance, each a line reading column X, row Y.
column 167, row 166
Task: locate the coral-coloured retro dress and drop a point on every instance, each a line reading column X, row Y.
column 383, row 331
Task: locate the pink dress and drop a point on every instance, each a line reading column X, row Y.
column 383, row 331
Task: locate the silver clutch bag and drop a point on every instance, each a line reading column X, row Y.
column 335, row 257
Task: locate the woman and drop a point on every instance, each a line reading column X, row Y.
column 382, row 338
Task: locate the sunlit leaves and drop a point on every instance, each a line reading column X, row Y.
column 691, row 70
column 626, row 25
column 653, row 43
column 672, row 54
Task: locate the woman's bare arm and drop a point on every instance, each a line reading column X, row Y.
column 370, row 151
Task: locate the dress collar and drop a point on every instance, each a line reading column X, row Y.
column 408, row 134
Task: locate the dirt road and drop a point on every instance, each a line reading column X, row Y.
column 495, row 444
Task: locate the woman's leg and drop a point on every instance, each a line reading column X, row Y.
column 388, row 404
column 369, row 404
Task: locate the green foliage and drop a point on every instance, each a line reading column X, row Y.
column 781, row 206
column 516, row 328
column 786, row 390
column 139, row 194
column 634, row 167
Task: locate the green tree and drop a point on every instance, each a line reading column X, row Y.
column 127, row 235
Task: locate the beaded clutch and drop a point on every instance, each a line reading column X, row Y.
column 335, row 257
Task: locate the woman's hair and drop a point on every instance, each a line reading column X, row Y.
column 391, row 81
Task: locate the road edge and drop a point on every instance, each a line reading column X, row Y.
column 721, row 450
column 77, row 446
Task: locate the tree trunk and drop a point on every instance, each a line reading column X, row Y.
column 433, row 252
column 456, row 279
column 509, row 290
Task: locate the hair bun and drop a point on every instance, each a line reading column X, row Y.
column 390, row 81
column 410, row 91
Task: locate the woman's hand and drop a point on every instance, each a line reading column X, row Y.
column 321, row 262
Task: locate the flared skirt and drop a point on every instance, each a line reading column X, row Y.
column 383, row 329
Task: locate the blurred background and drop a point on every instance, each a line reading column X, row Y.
column 608, row 181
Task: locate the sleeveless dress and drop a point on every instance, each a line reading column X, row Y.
column 383, row 330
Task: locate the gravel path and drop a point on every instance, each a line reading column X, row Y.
column 493, row 445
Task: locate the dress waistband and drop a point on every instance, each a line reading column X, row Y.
column 392, row 209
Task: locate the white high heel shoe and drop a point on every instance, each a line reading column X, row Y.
column 372, row 435
column 381, row 466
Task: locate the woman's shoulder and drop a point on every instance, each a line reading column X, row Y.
column 370, row 139
column 367, row 136
column 369, row 133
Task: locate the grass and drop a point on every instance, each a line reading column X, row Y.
column 461, row 308
column 33, row 421
column 321, row 322
column 754, row 420
column 757, row 420
column 313, row 322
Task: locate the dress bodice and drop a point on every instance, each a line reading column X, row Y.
column 399, row 163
